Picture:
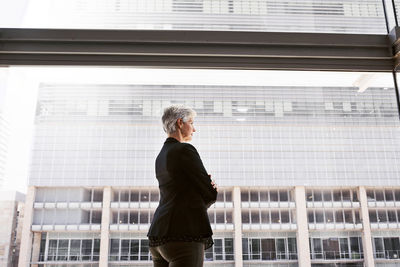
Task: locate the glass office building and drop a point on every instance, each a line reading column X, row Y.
column 307, row 163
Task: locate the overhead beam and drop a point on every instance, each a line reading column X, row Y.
column 196, row 49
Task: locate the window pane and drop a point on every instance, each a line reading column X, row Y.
column 245, row 216
column 86, row 249
column 228, row 217
column 292, row 246
column 337, row 196
column 144, row 196
column 317, row 195
column 329, row 216
column 125, row 249
column 348, row 216
column 255, row 249
column 154, row 196
column 370, row 195
column 397, row 194
column 331, row 248
column 123, row 217
column 280, row 249
column 346, row 195
column 285, row 216
column 144, row 250
column 255, row 216
column 379, row 249
column 273, row 196
column 134, row 250
column 355, row 247
column 264, row 216
column 317, row 248
column 144, row 217
column 220, row 196
column 327, row 194
column 124, row 196
column 268, row 249
column 382, row 216
column 319, row 216
column 218, row 249
column 62, row 251
column 264, row 196
column 244, row 196
column 133, row 217
column 220, row 217
column 392, row 216
column 245, row 248
column 339, row 216
column 344, row 248
column 254, row 196
column 379, row 195
column 134, row 196
column 372, row 216
column 229, row 249
column 283, row 195
column 228, row 196
column 389, row 195
column 310, row 215
column 275, row 217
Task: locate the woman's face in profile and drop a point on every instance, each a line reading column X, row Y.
column 187, row 130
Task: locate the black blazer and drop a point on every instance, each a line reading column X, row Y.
column 185, row 193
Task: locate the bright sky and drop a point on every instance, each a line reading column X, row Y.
column 23, row 82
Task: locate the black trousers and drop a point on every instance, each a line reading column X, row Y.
column 178, row 254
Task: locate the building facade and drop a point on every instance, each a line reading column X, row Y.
column 307, row 175
column 12, row 208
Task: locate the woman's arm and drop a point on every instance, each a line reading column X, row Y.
column 194, row 168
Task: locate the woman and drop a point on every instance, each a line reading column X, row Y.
column 180, row 230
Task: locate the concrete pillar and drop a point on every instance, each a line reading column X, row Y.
column 105, row 227
column 26, row 237
column 36, row 248
column 366, row 233
column 237, row 220
column 302, row 237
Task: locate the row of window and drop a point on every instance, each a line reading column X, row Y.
column 113, row 107
column 126, row 195
column 383, row 216
column 268, row 216
column 129, row 250
column 45, row 194
column 146, row 216
column 387, row 195
column 269, row 249
column 334, row 216
column 138, row 250
column 71, row 250
column 282, row 195
column 132, row 216
column 328, row 195
column 387, row 247
column 334, row 248
column 66, row 216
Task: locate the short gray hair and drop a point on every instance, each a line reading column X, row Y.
column 173, row 113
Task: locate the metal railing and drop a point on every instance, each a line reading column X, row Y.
column 63, row 256
column 336, row 255
column 387, row 254
column 270, row 256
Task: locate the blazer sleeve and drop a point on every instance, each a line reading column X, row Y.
column 197, row 174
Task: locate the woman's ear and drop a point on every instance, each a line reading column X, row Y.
column 179, row 122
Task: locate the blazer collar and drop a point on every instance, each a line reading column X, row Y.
column 171, row 140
